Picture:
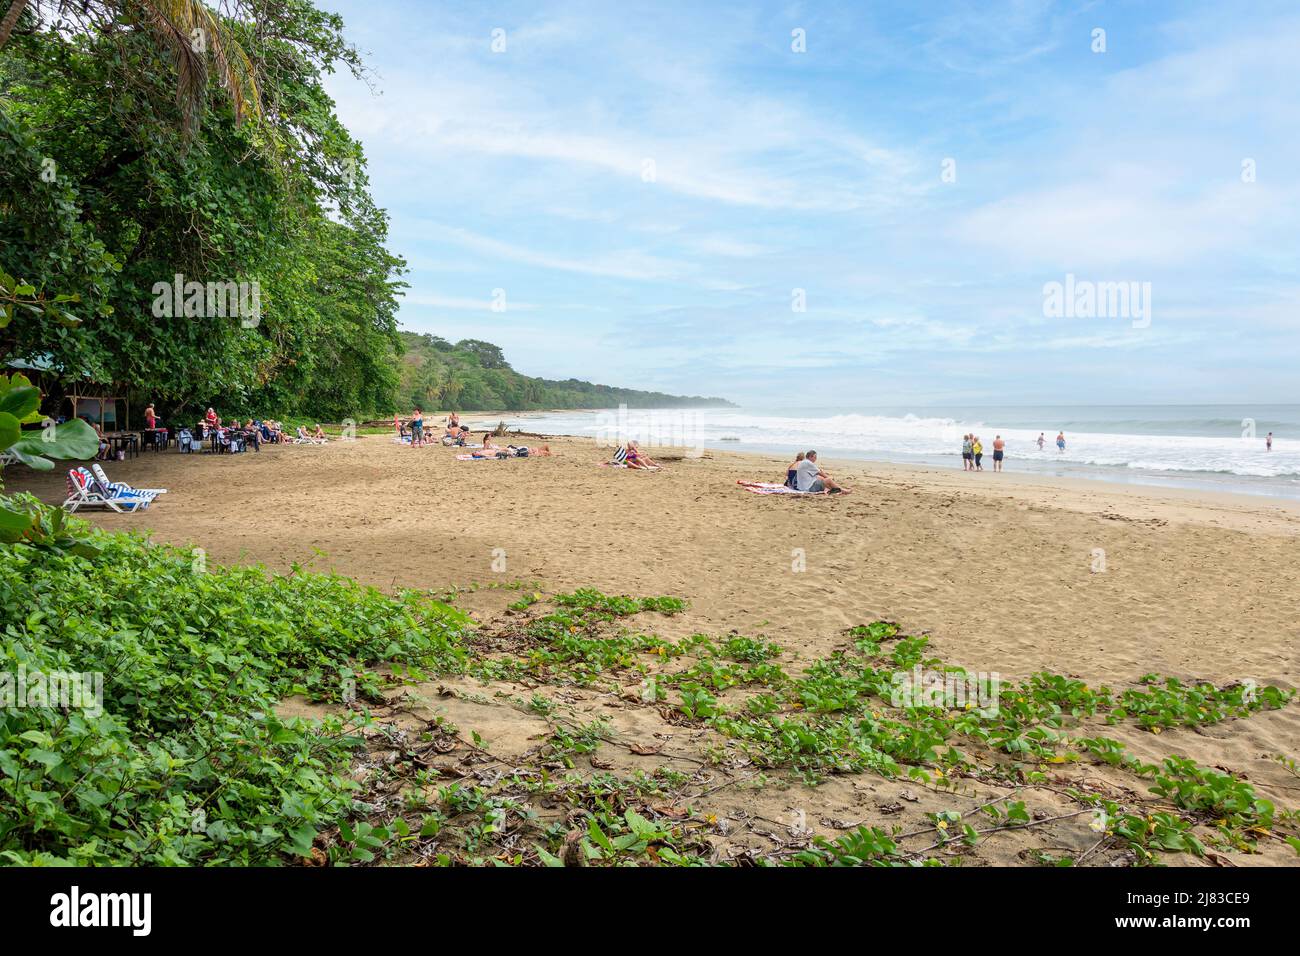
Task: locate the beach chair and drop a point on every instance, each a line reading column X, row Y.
column 305, row 439
column 84, row 492
column 97, row 486
column 122, row 488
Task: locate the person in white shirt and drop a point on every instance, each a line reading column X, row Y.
column 810, row 477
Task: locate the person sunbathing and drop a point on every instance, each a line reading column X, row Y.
column 319, row 434
column 524, row 451
column 635, row 458
column 487, row 443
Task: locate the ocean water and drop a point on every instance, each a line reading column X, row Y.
column 1215, row 447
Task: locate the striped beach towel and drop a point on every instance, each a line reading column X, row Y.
column 772, row 488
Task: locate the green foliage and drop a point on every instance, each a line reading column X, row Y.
column 863, row 847
column 188, row 762
column 111, row 184
column 19, row 402
column 1172, row 704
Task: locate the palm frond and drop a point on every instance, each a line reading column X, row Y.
column 203, row 45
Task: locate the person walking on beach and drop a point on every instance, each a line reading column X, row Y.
column 1041, row 441
column 967, row 453
column 1060, row 441
column 810, row 477
column 999, row 446
column 1268, row 442
column 978, row 449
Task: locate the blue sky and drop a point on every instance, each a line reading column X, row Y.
column 771, row 170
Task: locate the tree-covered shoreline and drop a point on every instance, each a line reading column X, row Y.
column 474, row 375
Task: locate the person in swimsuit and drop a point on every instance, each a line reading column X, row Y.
column 791, row 472
column 977, row 447
column 1060, row 441
column 417, row 429
column 637, row 460
column 1268, row 442
column 999, row 447
column 1041, row 441
column 967, row 453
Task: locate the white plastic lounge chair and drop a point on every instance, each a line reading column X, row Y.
column 305, row 439
column 122, row 488
column 97, row 486
column 84, row 493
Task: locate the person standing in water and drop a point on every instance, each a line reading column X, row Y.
column 999, row 447
column 967, row 453
column 1042, row 440
column 977, row 447
column 1060, row 441
column 1268, row 442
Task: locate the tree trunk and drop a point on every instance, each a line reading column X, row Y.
column 16, row 9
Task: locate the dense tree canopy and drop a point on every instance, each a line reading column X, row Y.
column 128, row 159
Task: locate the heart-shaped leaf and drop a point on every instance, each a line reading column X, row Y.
column 72, row 440
column 10, row 430
column 20, row 402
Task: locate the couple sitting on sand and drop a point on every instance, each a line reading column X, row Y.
column 630, row 456
column 804, row 474
column 456, row 435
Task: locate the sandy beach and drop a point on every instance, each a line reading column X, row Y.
column 1000, row 571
